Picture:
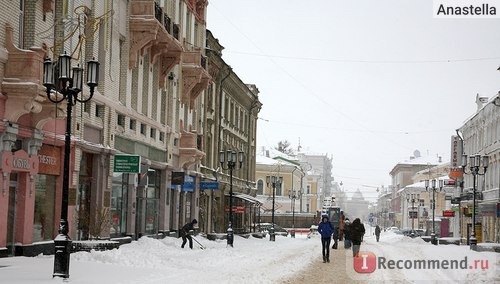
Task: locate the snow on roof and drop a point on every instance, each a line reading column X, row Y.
column 424, row 160
column 419, row 186
column 263, row 160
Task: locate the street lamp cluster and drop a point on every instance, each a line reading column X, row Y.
column 433, row 205
column 275, row 182
column 67, row 87
column 412, row 198
column 293, row 194
column 476, row 162
column 229, row 160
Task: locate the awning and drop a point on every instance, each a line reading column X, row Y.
column 246, row 197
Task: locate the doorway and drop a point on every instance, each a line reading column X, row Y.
column 11, row 217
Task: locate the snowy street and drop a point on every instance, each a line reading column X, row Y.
column 258, row 261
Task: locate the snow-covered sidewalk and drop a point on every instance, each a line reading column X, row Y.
column 394, row 259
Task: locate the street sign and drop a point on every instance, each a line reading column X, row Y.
column 188, row 184
column 127, row 164
column 210, row 185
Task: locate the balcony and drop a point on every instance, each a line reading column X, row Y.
column 189, row 152
column 151, row 28
column 197, row 7
column 22, row 82
column 195, row 76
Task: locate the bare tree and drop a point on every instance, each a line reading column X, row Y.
column 284, row 147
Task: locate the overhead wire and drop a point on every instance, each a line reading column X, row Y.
column 309, row 90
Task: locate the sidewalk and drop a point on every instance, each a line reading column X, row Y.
column 319, row 272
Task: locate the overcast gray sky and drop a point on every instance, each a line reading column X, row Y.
column 366, row 82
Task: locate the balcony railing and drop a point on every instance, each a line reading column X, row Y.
column 158, row 12
column 166, row 23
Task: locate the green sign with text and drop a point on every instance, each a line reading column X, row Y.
column 127, row 164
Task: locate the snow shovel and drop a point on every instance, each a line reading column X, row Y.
column 201, row 246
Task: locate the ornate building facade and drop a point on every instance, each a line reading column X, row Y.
column 150, row 108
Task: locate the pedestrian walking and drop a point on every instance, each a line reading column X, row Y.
column 185, row 233
column 326, row 230
column 357, row 231
column 347, row 234
column 341, row 226
column 377, row 232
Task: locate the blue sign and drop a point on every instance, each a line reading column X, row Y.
column 188, row 184
column 210, row 185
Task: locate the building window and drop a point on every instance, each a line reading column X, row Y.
column 99, row 111
column 260, row 187
column 121, row 120
column 308, row 189
column 152, row 133
column 162, row 136
column 132, row 124
column 143, row 129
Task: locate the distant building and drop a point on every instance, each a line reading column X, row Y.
column 357, row 207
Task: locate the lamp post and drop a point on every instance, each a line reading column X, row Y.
column 411, row 199
column 293, row 194
column 433, row 205
column 228, row 160
column 274, row 180
column 66, row 88
column 474, row 169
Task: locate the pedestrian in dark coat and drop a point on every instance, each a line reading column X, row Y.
column 184, row 232
column 377, row 232
column 326, row 230
column 357, row 231
column 347, row 234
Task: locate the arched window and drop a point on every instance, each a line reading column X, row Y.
column 260, row 187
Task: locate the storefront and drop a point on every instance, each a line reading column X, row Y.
column 17, row 201
column 44, row 221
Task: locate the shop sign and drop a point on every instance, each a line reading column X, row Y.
column 49, row 160
column 488, row 209
column 448, row 213
column 127, row 164
column 456, row 158
column 236, row 209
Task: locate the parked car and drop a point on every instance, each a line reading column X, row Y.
column 266, row 227
column 413, row 233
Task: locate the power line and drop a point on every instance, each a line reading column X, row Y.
column 374, row 61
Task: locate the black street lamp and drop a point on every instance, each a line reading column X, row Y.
column 474, row 167
column 230, row 159
column 66, row 88
column 293, row 194
column 433, row 205
column 274, row 181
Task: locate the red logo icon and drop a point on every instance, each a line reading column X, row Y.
column 365, row 262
